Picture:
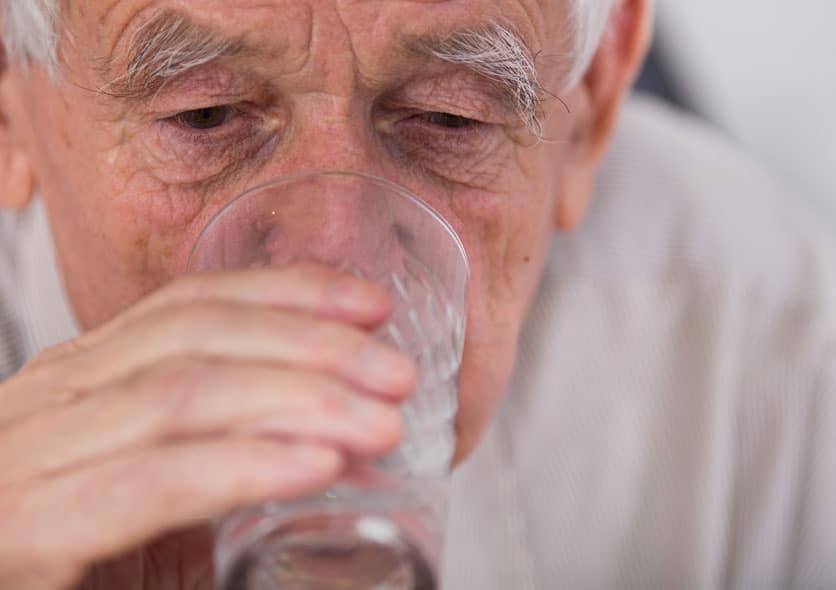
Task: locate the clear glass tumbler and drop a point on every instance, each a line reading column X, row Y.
column 382, row 528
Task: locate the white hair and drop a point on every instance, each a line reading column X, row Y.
column 589, row 20
column 31, row 32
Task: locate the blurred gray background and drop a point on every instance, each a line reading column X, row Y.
column 762, row 72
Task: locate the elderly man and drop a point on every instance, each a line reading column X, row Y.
column 671, row 421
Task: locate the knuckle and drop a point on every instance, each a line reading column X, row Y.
column 334, row 343
column 191, row 320
column 198, row 313
column 191, row 286
column 313, row 392
column 56, row 354
column 175, row 385
column 175, row 374
column 332, row 398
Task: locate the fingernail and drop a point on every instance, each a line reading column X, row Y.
column 373, row 413
column 353, row 294
column 379, row 425
column 387, row 368
column 346, row 292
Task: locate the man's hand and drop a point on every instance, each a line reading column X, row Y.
column 216, row 392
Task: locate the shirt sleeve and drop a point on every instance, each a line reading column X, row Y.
column 815, row 565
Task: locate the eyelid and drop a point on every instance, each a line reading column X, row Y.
column 482, row 113
column 471, row 122
column 240, row 112
column 464, row 96
column 238, row 107
column 240, row 129
column 233, row 113
column 221, row 151
column 185, row 104
column 211, row 84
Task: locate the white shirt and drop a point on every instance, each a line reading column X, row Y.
column 672, row 421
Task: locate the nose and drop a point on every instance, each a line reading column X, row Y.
column 340, row 220
column 331, row 132
column 321, row 220
column 318, row 220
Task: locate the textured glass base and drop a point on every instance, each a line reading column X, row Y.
column 333, row 552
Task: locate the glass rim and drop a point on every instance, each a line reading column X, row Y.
column 400, row 190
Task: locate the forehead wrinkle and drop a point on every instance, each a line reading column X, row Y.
column 119, row 28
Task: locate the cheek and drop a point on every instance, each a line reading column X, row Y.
column 507, row 238
column 506, row 244
column 156, row 218
column 96, row 184
column 145, row 225
column 505, row 235
column 120, row 231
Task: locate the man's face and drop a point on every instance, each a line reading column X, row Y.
column 301, row 85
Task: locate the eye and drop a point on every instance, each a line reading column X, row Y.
column 448, row 120
column 208, row 118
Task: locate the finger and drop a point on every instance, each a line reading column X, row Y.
column 245, row 333
column 198, row 398
column 315, row 289
column 99, row 512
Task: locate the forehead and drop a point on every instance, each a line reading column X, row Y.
column 109, row 22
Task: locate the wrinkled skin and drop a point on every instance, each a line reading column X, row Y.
column 128, row 186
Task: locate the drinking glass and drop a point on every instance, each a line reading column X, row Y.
column 381, row 527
